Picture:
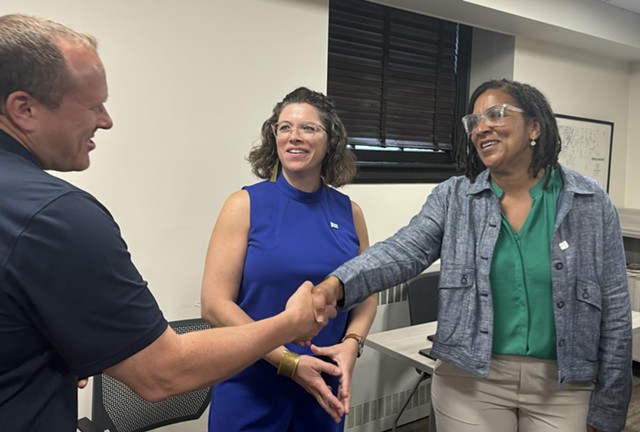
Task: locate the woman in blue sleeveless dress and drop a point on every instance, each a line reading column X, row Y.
column 271, row 237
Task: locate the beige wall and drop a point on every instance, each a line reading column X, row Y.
column 189, row 88
column 582, row 85
column 190, row 84
column 388, row 207
column 192, row 81
column 632, row 177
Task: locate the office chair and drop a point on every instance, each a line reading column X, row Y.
column 116, row 408
column 423, row 307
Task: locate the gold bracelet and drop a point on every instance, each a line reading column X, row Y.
column 288, row 364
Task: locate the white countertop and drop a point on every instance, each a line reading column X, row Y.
column 404, row 343
column 630, row 222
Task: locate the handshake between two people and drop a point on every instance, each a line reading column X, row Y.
column 313, row 306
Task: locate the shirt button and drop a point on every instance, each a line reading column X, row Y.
column 560, row 304
column 463, row 281
column 585, row 294
column 561, row 343
column 559, row 266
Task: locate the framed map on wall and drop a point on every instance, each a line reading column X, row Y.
column 586, row 146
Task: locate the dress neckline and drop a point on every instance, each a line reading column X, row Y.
column 297, row 194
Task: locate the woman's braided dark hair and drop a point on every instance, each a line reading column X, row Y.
column 535, row 106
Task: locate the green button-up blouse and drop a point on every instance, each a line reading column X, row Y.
column 521, row 278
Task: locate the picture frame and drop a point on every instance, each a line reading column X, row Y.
column 586, row 146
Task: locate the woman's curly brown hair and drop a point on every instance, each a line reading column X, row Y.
column 338, row 166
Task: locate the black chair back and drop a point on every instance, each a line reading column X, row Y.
column 117, row 408
column 423, row 298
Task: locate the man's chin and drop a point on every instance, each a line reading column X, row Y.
column 83, row 166
column 71, row 167
column 82, row 163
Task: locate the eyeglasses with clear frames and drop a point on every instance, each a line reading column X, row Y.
column 493, row 116
column 304, row 130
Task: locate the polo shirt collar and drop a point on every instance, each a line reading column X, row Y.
column 11, row 145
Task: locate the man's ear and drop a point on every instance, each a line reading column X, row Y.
column 21, row 109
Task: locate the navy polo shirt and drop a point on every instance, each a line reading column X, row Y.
column 71, row 301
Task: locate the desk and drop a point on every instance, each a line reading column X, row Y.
column 404, row 343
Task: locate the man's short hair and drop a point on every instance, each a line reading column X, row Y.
column 32, row 60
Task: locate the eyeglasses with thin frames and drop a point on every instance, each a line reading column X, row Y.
column 305, row 130
column 493, row 116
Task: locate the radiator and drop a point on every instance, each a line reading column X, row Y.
column 382, row 384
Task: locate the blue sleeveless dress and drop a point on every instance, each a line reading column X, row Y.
column 294, row 236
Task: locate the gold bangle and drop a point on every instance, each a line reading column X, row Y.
column 288, row 364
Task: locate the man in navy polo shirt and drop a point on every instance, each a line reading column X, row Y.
column 72, row 304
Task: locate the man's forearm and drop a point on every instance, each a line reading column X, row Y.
column 174, row 364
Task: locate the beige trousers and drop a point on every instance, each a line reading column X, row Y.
column 520, row 394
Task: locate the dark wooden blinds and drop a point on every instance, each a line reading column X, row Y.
column 394, row 76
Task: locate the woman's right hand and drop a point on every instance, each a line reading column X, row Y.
column 308, row 375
